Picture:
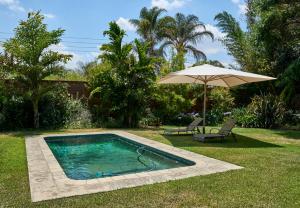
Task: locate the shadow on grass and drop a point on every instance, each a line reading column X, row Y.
column 289, row 134
column 34, row 132
column 242, row 142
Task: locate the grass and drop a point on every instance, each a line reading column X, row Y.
column 271, row 177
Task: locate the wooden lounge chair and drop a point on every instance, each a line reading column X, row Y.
column 191, row 128
column 225, row 130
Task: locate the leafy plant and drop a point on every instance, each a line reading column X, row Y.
column 150, row 26
column 125, row 86
column 78, row 114
column 221, row 99
column 245, row 118
column 29, row 60
column 167, row 101
column 182, row 33
column 268, row 109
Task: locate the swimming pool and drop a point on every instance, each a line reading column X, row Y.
column 85, row 157
column 70, row 164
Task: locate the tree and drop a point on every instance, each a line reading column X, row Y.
column 124, row 87
column 271, row 43
column 29, row 60
column 183, row 33
column 278, row 29
column 150, row 25
column 211, row 62
column 235, row 39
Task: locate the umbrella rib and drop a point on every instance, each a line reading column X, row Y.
column 240, row 78
column 225, row 82
column 196, row 78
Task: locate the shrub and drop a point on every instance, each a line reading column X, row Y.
column 150, row 119
column 168, row 101
column 244, row 118
column 52, row 109
column 265, row 111
column 221, row 100
column 57, row 110
column 214, row 117
column 16, row 112
column 77, row 114
column 268, row 109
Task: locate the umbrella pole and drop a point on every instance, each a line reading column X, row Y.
column 204, row 107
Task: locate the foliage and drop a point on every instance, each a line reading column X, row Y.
column 68, row 75
column 78, row 114
column 182, row 33
column 245, row 118
column 211, row 62
column 57, row 110
column 124, row 87
column 221, row 99
column 150, row 119
column 235, row 39
column 278, row 29
column 268, row 109
column 29, row 60
column 265, row 111
column 270, row 45
column 220, row 102
column 15, row 112
column 289, row 81
column 214, row 117
column 149, row 27
column 168, row 101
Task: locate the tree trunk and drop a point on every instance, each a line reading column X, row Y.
column 36, row 117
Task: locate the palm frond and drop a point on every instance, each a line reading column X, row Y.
column 196, row 53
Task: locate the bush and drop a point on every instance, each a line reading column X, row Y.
column 168, row 101
column 77, row 114
column 221, row 102
column 15, row 113
column 150, row 119
column 244, row 118
column 266, row 111
column 269, row 110
column 57, row 110
column 214, row 117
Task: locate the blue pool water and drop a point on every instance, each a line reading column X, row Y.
column 102, row 155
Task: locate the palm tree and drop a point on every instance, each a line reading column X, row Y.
column 183, row 33
column 149, row 26
column 126, row 85
column 235, row 39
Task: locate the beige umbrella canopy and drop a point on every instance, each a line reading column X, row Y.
column 211, row 75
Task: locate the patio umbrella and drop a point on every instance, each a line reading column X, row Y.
column 214, row 76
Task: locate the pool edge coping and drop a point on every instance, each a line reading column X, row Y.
column 48, row 181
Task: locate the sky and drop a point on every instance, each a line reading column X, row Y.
column 85, row 21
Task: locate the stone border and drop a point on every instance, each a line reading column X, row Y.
column 48, row 180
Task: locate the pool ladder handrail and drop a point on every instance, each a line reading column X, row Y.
column 140, row 155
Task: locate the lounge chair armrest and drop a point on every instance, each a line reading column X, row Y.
column 213, row 129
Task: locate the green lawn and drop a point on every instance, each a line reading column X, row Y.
column 271, row 177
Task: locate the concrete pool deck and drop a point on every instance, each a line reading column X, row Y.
column 48, row 181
